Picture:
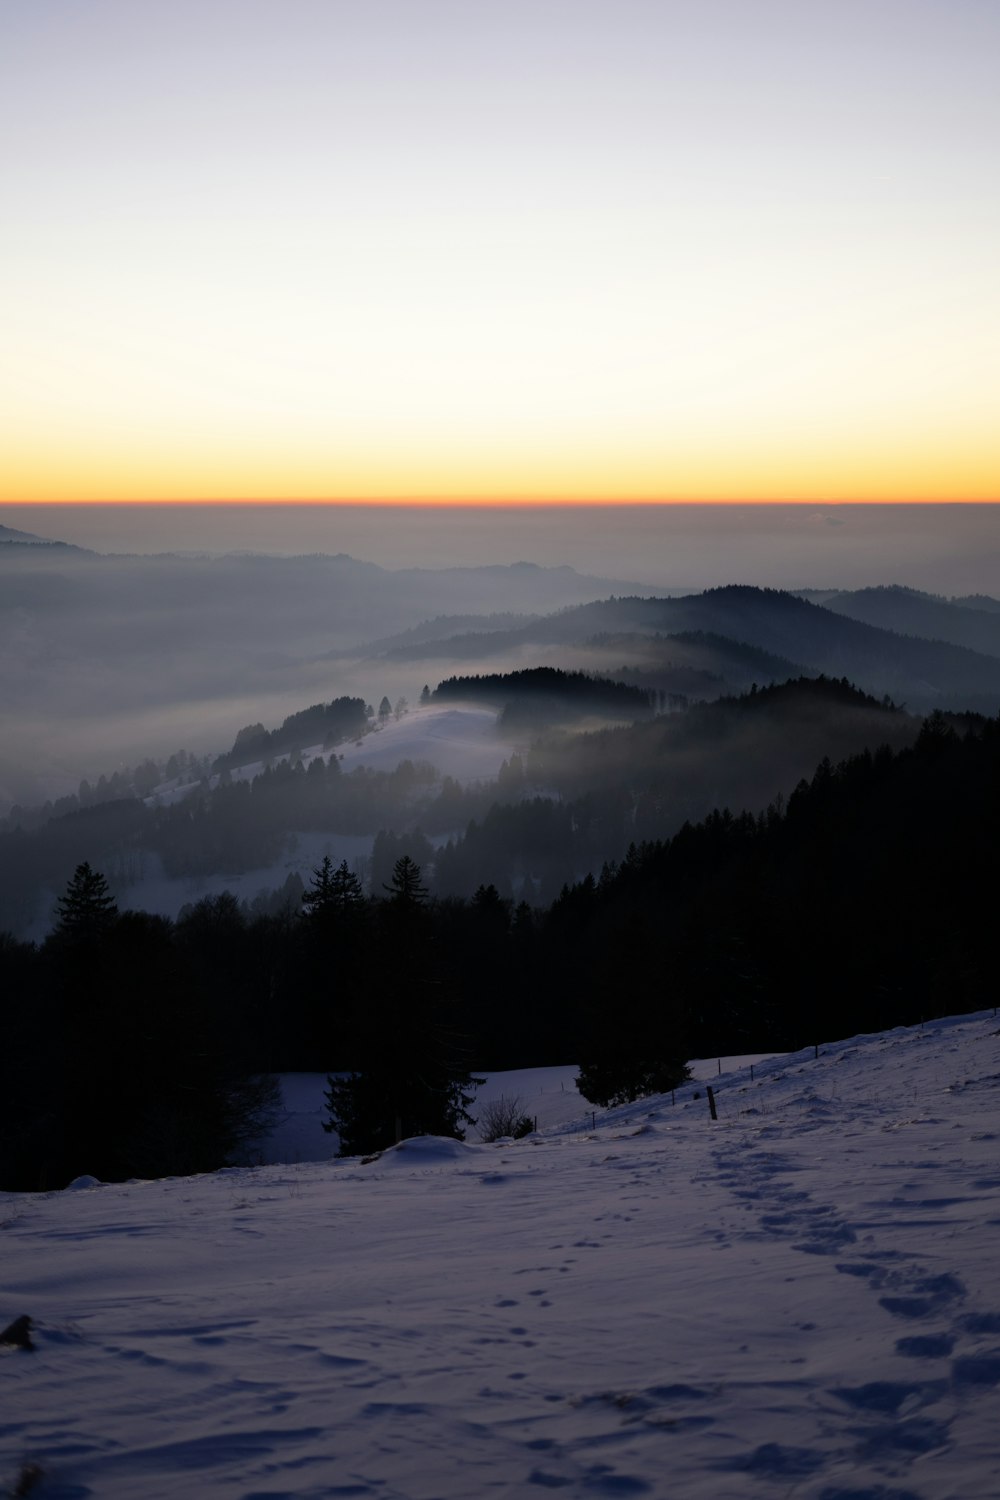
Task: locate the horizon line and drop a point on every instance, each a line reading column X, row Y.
column 498, row 503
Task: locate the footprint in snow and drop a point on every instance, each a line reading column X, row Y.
column 926, row 1346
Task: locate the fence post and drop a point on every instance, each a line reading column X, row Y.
column 711, row 1100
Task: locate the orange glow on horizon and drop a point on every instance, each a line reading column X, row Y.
column 814, row 462
column 487, row 501
column 493, row 502
column 807, row 456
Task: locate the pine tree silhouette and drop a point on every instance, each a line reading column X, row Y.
column 87, row 909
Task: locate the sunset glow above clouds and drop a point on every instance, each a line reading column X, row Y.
column 464, row 249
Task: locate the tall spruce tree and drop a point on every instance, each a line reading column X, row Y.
column 410, row 1076
column 319, row 896
column 345, row 888
column 405, row 890
column 333, row 934
column 86, row 909
column 333, row 892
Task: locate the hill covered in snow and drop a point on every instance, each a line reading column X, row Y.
column 799, row 1300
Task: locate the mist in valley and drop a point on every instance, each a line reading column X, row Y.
column 949, row 549
column 108, row 658
column 456, row 714
column 179, row 624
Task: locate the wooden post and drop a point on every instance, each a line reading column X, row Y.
column 593, row 1119
column 751, row 1072
column 711, row 1100
column 720, row 1067
column 817, row 1050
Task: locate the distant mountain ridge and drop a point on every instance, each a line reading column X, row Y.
column 11, row 534
column 926, row 671
column 11, row 538
column 972, row 622
column 98, row 651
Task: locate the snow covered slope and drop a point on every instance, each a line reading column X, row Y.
column 801, row 1301
column 547, row 1095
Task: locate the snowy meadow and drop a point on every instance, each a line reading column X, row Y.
column 798, row 1300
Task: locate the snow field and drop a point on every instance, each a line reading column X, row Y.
column 799, row 1301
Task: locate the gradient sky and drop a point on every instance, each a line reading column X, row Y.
column 518, row 249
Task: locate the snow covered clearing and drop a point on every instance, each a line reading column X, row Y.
column 458, row 742
column 800, row 1301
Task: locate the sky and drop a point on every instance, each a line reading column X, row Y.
column 465, row 251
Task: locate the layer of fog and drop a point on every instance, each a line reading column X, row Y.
column 949, row 549
column 105, row 660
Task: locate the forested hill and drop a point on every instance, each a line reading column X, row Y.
column 414, row 643
column 540, row 693
column 325, row 724
column 739, row 750
column 974, row 623
column 926, row 673
column 11, row 537
column 559, row 810
column 866, row 902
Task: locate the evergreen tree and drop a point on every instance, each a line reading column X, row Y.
column 335, row 898
column 405, row 889
column 86, row 909
column 371, row 1111
column 616, row 1078
column 320, row 895
column 346, row 889
column 332, row 957
column 410, row 1076
column 490, row 909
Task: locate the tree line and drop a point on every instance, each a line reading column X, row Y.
column 136, row 1045
column 553, row 813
